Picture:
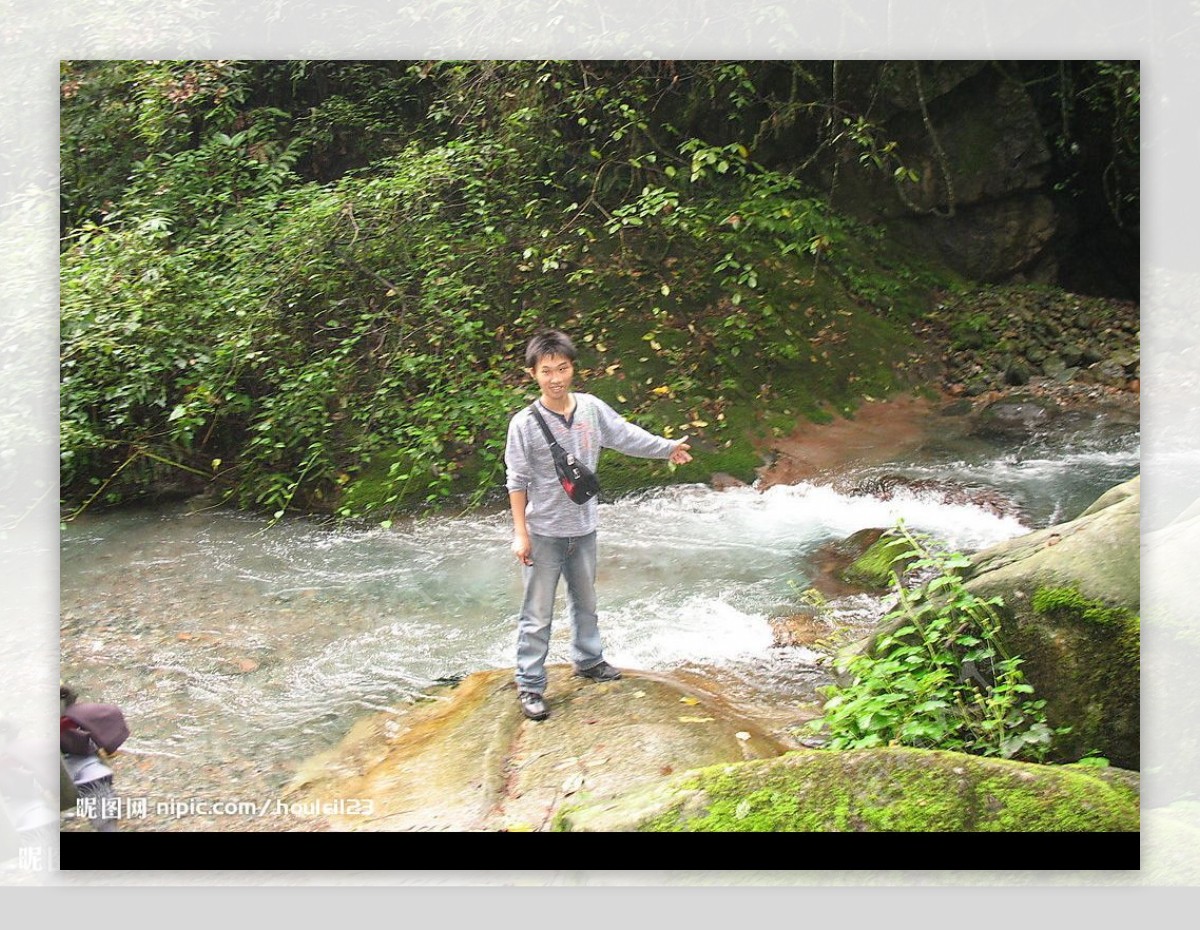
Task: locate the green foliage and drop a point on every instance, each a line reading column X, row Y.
column 126, row 123
column 939, row 677
column 1098, row 133
column 269, row 329
column 305, row 285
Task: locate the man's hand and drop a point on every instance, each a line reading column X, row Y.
column 522, row 548
column 680, row 455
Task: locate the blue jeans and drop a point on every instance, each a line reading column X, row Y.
column 572, row 558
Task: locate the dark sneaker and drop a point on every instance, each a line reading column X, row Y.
column 532, row 705
column 602, row 671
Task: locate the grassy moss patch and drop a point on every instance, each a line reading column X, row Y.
column 1069, row 603
column 894, row 790
column 875, row 566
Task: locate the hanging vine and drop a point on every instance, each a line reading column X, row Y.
column 939, row 154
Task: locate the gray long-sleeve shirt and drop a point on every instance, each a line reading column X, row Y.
column 594, row 426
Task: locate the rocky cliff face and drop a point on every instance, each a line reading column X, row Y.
column 987, row 198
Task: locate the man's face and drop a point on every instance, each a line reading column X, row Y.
column 553, row 374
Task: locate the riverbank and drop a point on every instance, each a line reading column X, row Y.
column 879, row 431
column 882, row 431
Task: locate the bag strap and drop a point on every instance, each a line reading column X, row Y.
column 545, row 429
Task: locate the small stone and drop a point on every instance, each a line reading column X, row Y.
column 1016, row 374
column 1127, row 359
column 1071, row 355
column 1109, row 373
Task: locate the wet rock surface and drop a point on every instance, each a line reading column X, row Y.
column 803, row 628
column 887, row 486
column 470, row 761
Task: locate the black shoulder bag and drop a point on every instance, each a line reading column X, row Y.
column 579, row 483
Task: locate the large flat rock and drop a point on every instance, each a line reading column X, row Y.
column 468, row 760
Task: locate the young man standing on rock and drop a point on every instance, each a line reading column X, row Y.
column 553, row 536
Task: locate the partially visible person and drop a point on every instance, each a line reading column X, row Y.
column 87, row 734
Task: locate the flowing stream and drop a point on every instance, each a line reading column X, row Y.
column 238, row 648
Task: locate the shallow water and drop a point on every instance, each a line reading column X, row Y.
column 238, row 648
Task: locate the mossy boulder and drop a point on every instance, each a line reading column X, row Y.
column 1071, row 596
column 865, row 790
column 873, row 569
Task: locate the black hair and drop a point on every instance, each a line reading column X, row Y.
column 547, row 344
column 67, row 696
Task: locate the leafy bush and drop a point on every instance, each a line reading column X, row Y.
column 244, row 340
column 305, row 285
column 939, row 678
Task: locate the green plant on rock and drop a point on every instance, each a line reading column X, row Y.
column 939, row 677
